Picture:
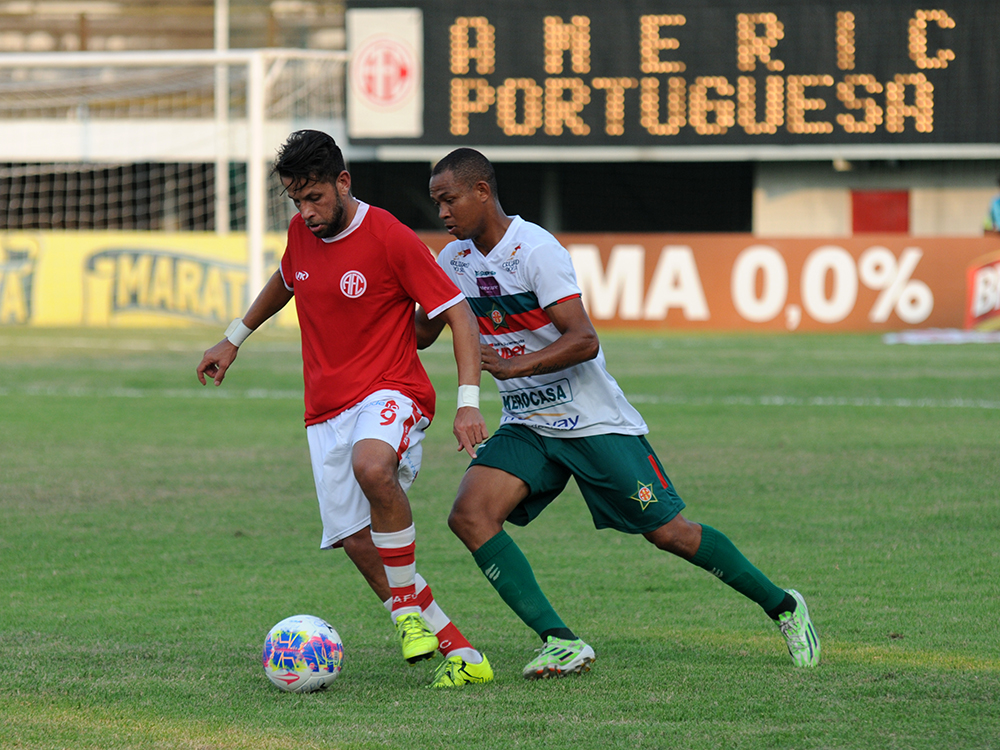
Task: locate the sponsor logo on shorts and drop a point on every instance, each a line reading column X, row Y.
column 527, row 400
column 644, row 495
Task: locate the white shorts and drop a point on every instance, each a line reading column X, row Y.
column 384, row 415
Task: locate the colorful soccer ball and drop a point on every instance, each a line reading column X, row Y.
column 302, row 654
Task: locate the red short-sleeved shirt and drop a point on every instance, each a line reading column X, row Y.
column 355, row 300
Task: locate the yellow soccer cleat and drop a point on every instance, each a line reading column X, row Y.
column 456, row 671
column 415, row 637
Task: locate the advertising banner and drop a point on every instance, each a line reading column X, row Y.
column 127, row 278
column 720, row 282
column 732, row 282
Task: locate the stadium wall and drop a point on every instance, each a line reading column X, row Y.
column 722, row 282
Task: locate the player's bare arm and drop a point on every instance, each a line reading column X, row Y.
column 470, row 427
column 427, row 330
column 578, row 343
column 271, row 299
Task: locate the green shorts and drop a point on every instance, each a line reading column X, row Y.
column 622, row 480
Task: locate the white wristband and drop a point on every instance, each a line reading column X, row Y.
column 237, row 332
column 468, row 395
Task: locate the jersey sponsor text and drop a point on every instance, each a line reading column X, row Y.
column 527, row 400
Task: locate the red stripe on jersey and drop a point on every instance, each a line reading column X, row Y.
column 531, row 321
column 397, row 557
column 565, row 299
column 656, row 468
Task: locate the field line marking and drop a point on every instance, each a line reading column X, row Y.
column 635, row 398
column 901, row 403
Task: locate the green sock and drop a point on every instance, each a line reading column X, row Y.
column 506, row 567
column 720, row 557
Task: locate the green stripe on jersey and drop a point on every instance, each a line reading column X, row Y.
column 512, row 304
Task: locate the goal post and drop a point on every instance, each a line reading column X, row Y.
column 144, row 140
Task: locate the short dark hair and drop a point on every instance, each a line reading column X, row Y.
column 309, row 156
column 469, row 166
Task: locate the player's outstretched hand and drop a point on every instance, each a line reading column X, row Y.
column 216, row 361
column 470, row 429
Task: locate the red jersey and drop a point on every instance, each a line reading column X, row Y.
column 355, row 300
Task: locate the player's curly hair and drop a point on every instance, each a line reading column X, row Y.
column 309, row 156
column 469, row 167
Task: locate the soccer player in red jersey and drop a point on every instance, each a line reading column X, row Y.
column 356, row 274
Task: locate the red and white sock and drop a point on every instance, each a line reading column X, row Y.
column 398, row 552
column 451, row 642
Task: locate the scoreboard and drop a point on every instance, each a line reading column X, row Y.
column 723, row 77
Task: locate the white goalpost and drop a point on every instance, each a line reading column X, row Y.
column 163, row 141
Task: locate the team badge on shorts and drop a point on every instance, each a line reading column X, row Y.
column 644, row 495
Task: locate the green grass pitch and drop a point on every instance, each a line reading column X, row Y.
column 152, row 531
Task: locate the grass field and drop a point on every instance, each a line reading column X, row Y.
column 153, row 530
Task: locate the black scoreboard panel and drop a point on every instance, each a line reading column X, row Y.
column 639, row 73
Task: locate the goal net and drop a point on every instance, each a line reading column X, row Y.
column 160, row 141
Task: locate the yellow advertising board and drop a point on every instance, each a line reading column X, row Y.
column 127, row 278
column 651, row 281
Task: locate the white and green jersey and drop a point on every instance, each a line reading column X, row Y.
column 509, row 290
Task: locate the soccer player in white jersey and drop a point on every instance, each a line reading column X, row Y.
column 563, row 415
column 356, row 274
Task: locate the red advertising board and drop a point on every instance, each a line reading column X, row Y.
column 872, row 282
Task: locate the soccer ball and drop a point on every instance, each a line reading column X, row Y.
column 302, row 654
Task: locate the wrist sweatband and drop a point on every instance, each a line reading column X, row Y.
column 237, row 332
column 468, row 395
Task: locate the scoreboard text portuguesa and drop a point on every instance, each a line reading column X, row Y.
column 573, row 100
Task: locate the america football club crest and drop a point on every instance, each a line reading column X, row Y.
column 644, row 495
column 499, row 319
column 353, row 284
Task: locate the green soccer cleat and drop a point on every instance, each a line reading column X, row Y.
column 456, row 671
column 800, row 635
column 416, row 638
column 558, row 657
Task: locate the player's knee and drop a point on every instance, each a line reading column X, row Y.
column 678, row 536
column 357, row 542
column 460, row 521
column 376, row 479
